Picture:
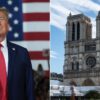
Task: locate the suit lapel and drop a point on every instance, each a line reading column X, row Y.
column 11, row 61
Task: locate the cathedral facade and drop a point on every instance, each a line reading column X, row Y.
column 82, row 52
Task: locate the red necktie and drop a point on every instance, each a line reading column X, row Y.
column 3, row 77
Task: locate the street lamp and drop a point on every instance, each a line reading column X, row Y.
column 72, row 93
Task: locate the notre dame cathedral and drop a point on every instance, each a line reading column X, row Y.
column 82, row 52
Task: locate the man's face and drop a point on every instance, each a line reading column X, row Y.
column 4, row 26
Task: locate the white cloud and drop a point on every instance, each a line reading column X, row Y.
column 57, row 21
column 53, row 54
column 89, row 4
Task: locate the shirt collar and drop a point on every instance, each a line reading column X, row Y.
column 4, row 43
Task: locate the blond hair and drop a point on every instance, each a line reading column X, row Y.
column 5, row 11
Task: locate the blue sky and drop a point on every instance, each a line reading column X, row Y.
column 59, row 10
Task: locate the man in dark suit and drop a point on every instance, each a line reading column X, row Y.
column 16, row 79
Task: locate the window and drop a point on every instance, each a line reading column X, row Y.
column 73, row 31
column 72, row 66
column 78, row 31
column 90, row 47
column 77, row 65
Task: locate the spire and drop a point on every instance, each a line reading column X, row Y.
column 70, row 14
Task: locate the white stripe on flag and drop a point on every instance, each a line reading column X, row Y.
column 36, row 26
column 34, row 45
column 35, row 7
column 35, row 64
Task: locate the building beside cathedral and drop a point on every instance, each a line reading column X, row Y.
column 82, row 52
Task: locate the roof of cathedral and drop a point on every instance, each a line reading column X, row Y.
column 78, row 16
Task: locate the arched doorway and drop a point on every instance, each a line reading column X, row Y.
column 88, row 82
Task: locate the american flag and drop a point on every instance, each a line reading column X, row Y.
column 29, row 27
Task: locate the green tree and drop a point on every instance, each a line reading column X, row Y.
column 92, row 95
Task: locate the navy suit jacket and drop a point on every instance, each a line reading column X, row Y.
column 20, row 77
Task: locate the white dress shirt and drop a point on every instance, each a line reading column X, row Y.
column 4, row 50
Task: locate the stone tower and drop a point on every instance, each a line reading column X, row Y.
column 98, row 25
column 82, row 54
column 79, row 27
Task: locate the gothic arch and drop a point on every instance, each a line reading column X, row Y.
column 78, row 31
column 88, row 82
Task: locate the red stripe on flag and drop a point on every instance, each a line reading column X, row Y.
column 37, row 55
column 36, row 0
column 46, row 73
column 37, row 36
column 36, row 17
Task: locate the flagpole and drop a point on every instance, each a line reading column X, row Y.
column 46, row 53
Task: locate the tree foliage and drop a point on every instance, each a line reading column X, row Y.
column 92, row 94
